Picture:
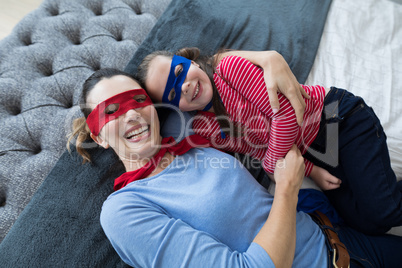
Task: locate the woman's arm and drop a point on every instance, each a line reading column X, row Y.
column 278, row 235
column 278, row 78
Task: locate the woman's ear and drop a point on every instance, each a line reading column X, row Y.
column 100, row 141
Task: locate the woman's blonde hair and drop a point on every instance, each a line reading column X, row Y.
column 81, row 134
column 80, row 130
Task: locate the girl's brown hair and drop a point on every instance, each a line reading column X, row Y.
column 80, row 129
column 208, row 65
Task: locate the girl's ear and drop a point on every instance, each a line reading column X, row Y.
column 196, row 64
column 100, row 141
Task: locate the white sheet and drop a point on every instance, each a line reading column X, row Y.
column 361, row 51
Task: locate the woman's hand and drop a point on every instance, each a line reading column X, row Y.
column 289, row 171
column 278, row 235
column 324, row 179
column 278, row 78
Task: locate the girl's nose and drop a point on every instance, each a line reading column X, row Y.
column 185, row 87
column 132, row 115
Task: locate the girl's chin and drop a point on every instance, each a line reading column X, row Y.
column 203, row 105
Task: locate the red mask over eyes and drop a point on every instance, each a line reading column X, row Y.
column 115, row 106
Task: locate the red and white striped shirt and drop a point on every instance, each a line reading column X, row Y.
column 266, row 136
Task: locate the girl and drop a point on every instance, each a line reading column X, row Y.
column 161, row 217
column 234, row 114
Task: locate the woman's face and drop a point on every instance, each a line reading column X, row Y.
column 196, row 91
column 133, row 135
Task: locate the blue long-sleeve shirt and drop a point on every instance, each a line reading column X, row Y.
column 203, row 210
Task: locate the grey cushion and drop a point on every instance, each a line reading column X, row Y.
column 291, row 27
column 43, row 64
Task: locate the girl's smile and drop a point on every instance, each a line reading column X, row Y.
column 196, row 89
column 197, row 92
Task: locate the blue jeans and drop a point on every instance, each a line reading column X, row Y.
column 370, row 250
column 351, row 145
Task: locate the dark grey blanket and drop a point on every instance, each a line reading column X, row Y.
column 60, row 227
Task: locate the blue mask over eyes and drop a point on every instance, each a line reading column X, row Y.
column 175, row 82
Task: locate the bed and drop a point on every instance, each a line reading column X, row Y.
column 49, row 202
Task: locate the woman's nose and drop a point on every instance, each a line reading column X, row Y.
column 132, row 115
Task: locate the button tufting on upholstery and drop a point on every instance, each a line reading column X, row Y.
column 2, row 200
column 26, row 40
column 137, row 10
column 70, row 104
column 47, row 71
column 118, row 38
column 96, row 66
column 135, row 6
column 2, row 197
column 14, row 110
column 76, row 38
column 74, row 35
column 97, row 10
column 53, row 11
column 45, row 68
column 37, row 150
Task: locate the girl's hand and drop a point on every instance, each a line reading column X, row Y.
column 324, row 179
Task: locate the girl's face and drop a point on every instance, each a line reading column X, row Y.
column 196, row 91
column 134, row 135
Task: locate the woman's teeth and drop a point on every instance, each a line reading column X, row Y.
column 138, row 132
column 196, row 91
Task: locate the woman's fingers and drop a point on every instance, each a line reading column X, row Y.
column 289, row 171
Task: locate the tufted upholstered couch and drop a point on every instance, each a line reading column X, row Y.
column 43, row 64
column 51, row 51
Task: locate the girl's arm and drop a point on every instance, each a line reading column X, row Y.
column 278, row 78
column 324, row 179
column 241, row 76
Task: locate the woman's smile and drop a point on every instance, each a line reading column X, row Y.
column 138, row 133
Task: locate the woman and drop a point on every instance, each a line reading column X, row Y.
column 181, row 211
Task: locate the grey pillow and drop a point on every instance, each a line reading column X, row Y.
column 292, row 27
